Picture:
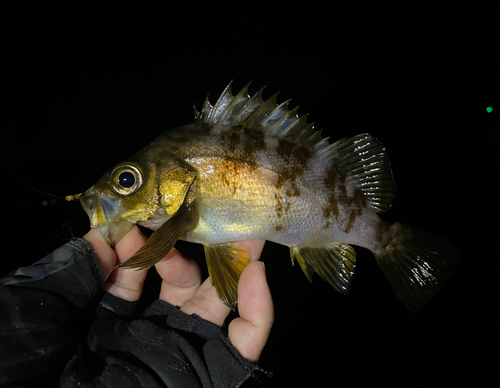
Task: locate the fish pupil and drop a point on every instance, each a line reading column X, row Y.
column 126, row 179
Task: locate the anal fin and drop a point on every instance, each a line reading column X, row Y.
column 226, row 262
column 334, row 263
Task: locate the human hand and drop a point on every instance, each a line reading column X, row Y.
column 182, row 286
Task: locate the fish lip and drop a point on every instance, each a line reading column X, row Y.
column 90, row 203
column 100, row 209
column 103, row 211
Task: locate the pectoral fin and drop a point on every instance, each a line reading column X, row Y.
column 333, row 262
column 163, row 239
column 226, row 262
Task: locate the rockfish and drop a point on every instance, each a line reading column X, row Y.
column 249, row 168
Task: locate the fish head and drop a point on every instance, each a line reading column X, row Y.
column 146, row 189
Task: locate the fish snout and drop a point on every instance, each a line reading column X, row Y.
column 90, row 201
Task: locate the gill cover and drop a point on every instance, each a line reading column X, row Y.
column 175, row 178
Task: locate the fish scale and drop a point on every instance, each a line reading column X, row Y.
column 251, row 168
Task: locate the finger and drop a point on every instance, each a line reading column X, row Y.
column 249, row 333
column 104, row 253
column 255, row 246
column 127, row 283
column 181, row 278
column 206, row 303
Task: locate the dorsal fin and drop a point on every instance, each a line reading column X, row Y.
column 361, row 160
column 364, row 163
column 253, row 112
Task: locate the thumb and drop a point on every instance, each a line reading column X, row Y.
column 104, row 253
column 249, row 333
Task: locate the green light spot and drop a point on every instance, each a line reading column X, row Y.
column 489, row 109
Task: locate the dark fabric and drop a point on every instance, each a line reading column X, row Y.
column 119, row 306
column 72, row 271
column 41, row 311
column 178, row 320
column 58, row 328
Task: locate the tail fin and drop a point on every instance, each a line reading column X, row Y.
column 416, row 263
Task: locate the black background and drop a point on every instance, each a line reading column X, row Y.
column 86, row 86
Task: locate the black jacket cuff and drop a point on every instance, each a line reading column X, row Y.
column 71, row 271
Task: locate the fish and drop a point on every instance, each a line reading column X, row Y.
column 251, row 168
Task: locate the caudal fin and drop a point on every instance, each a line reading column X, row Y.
column 416, row 263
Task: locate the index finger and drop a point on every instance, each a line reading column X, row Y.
column 127, row 283
column 181, row 278
column 255, row 247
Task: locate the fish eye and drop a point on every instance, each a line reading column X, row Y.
column 126, row 179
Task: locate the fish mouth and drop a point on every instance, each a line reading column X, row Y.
column 101, row 208
column 91, row 203
column 102, row 212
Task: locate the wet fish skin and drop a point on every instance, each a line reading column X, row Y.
column 249, row 168
column 249, row 187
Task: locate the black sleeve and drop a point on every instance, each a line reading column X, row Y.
column 58, row 327
column 41, row 311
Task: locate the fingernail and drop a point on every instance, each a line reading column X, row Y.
column 263, row 266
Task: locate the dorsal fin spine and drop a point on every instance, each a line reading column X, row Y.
column 260, row 113
column 205, row 110
column 236, row 106
column 222, row 102
column 279, row 111
column 297, row 126
column 253, row 112
column 248, row 109
column 284, row 121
